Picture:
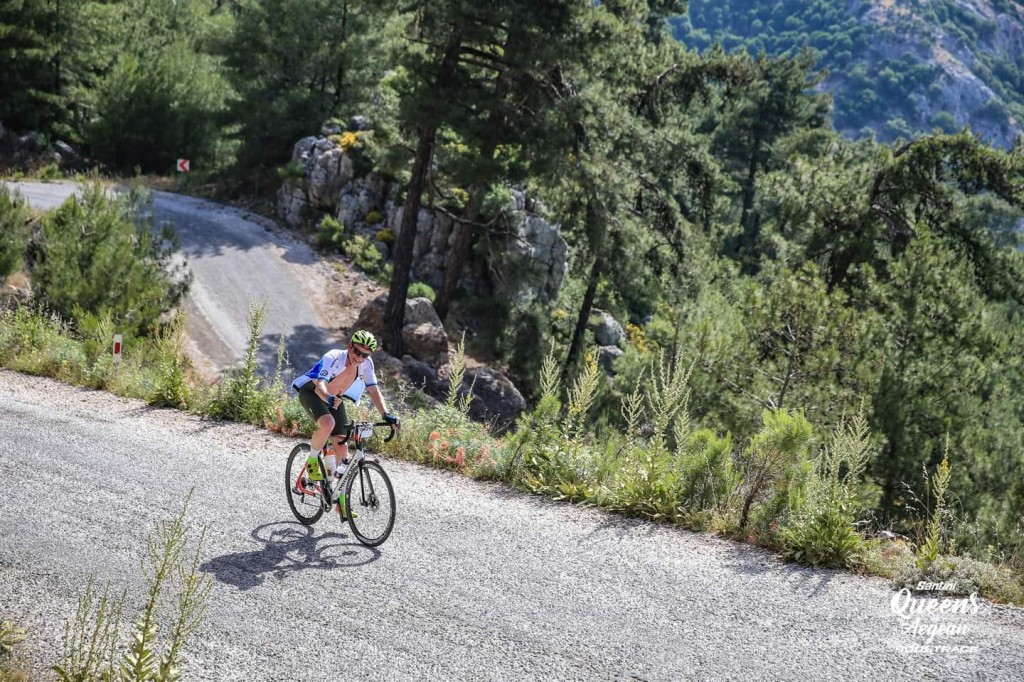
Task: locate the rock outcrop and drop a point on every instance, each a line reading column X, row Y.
column 529, row 262
column 28, row 152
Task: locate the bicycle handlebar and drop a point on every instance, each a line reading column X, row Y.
column 356, row 425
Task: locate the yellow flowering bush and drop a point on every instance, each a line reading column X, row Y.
column 347, row 140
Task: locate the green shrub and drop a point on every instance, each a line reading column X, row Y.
column 773, row 464
column 173, row 386
column 935, row 544
column 386, row 235
column 50, row 171
column 964, row 576
column 330, row 234
column 291, row 171
column 14, row 231
column 444, row 436
column 10, row 637
column 648, row 484
column 421, row 290
column 36, row 342
column 95, row 257
column 709, row 480
column 497, row 200
column 548, row 449
column 291, row 419
column 536, row 430
column 366, row 257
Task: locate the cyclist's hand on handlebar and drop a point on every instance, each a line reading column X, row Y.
column 392, row 420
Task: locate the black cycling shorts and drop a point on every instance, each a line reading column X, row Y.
column 318, row 408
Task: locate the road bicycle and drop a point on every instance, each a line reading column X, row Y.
column 367, row 500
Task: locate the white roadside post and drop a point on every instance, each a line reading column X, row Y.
column 117, row 348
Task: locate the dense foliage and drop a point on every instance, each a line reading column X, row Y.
column 794, row 277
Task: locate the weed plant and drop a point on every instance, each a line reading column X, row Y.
column 11, row 636
column 173, row 608
column 243, row 396
column 821, row 528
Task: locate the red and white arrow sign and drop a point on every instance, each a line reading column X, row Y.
column 183, row 166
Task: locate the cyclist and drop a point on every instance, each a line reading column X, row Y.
column 340, row 375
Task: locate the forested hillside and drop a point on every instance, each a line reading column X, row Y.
column 897, row 68
column 774, row 276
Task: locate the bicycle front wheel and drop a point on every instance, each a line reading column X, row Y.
column 370, row 505
column 304, row 496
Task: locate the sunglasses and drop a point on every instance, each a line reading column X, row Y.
column 359, row 353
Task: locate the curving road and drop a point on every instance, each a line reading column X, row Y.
column 477, row 582
column 234, row 260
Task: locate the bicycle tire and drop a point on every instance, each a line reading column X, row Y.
column 372, row 498
column 306, row 507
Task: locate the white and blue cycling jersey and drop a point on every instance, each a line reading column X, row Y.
column 330, row 366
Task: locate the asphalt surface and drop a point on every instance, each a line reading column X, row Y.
column 477, row 582
column 234, row 259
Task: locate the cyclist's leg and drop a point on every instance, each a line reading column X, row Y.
column 337, row 433
column 339, row 430
column 321, row 414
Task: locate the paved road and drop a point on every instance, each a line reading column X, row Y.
column 477, row 582
column 234, row 260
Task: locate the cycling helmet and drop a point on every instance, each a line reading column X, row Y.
column 365, row 338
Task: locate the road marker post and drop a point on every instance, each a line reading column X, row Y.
column 117, row 348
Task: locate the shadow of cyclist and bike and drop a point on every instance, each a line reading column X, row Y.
column 288, row 548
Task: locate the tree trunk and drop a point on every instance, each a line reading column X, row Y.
column 748, row 220
column 597, row 229
column 576, row 346
column 339, row 74
column 394, row 312
column 458, row 254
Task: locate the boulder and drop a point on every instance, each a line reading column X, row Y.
column 495, row 398
column 607, row 330
column 12, row 296
column 422, row 334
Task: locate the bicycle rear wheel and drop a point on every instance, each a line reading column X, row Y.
column 370, row 505
column 304, row 496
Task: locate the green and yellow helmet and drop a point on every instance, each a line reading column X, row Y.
column 365, row 338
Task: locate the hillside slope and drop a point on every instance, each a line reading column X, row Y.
column 897, row 68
